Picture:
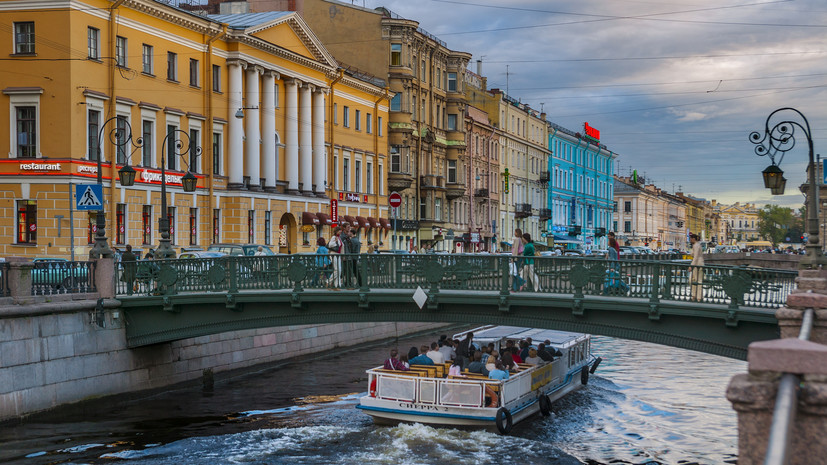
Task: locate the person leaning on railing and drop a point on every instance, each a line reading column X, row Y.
column 697, row 276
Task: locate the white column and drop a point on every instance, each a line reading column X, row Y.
column 235, row 156
column 291, row 138
column 306, row 140
column 268, row 129
column 252, row 128
column 319, row 156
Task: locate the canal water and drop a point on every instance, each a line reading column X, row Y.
column 647, row 404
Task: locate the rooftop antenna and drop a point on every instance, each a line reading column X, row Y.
column 541, row 107
column 506, row 79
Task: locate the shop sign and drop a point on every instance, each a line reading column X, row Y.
column 405, row 225
column 40, row 166
column 90, row 169
column 351, row 197
column 475, row 238
column 334, row 211
column 151, row 176
column 505, row 178
column 592, row 134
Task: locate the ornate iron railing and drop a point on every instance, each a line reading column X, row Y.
column 63, row 277
column 652, row 280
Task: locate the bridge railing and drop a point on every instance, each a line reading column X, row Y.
column 63, row 277
column 653, row 280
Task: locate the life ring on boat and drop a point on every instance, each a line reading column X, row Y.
column 494, row 399
column 545, row 405
column 584, row 375
column 504, row 421
column 373, row 388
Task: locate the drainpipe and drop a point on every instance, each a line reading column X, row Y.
column 385, row 96
column 550, row 196
column 112, row 112
column 331, row 170
column 208, row 105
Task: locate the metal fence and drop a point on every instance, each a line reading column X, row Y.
column 62, row 277
column 654, row 280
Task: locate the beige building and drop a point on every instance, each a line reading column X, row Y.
column 483, row 168
column 742, row 220
column 649, row 216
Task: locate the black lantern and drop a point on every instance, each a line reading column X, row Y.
column 773, row 177
column 127, row 176
column 189, row 181
column 779, row 190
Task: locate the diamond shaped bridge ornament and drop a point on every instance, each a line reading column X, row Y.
column 579, row 276
column 167, row 276
column 296, row 271
column 434, row 272
column 420, row 297
column 216, row 274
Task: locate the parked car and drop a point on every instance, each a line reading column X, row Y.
column 247, row 250
column 59, row 273
column 202, row 254
column 645, row 250
column 628, row 250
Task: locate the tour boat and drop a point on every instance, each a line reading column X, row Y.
column 426, row 395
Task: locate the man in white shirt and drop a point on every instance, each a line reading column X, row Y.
column 435, row 354
column 446, row 350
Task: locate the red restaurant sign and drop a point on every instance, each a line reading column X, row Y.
column 334, row 211
column 591, row 133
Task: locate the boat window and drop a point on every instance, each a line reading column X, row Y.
column 397, row 388
column 466, row 394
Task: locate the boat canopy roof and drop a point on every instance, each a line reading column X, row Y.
column 495, row 334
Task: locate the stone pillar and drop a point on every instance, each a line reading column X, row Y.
column 319, row 156
column 811, row 293
column 268, row 130
column 20, row 282
column 235, row 154
column 252, row 129
column 105, row 276
column 306, row 140
column 291, row 136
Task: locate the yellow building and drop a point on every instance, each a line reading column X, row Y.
column 254, row 105
column 742, row 220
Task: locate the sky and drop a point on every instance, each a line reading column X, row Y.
column 674, row 87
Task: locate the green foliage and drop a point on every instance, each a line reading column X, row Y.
column 776, row 223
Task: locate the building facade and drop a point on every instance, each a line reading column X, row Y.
column 648, row 216
column 581, row 188
column 483, row 192
column 742, row 220
column 249, row 104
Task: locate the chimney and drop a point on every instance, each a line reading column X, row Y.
column 479, row 67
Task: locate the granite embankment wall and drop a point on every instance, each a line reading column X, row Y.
column 63, row 352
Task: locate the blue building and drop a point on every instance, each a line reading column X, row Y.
column 581, row 187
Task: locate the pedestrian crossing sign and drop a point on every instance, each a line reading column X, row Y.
column 89, row 197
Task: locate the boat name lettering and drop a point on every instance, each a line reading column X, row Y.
column 421, row 407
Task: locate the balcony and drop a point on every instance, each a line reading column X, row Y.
column 522, row 210
column 544, row 177
column 545, row 214
column 431, row 182
column 398, row 181
column 575, row 230
column 481, row 193
column 454, row 190
column 599, row 232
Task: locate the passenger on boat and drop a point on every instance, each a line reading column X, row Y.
column 491, row 363
column 507, row 361
column 544, row 354
column 498, row 372
column 486, row 352
column 394, row 363
column 446, row 347
column 515, row 354
column 456, row 370
column 435, row 355
column 552, row 350
column 415, row 358
column 524, row 346
column 463, row 350
column 404, row 359
column 532, row 358
column 477, row 366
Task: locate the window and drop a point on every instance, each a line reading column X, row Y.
column 216, row 225
column 379, row 126
column 193, row 226
column 171, row 142
column 216, row 78
column 346, row 116
column 358, row 176
column 149, row 143
column 171, row 221
column 358, row 120
column 335, row 113
column 396, row 54
column 438, row 209
column 26, row 222
column 120, row 51
column 147, row 63
column 267, row 228
column 452, row 171
column 26, row 131
column 396, row 102
column 251, row 226
column 380, row 180
column 424, row 74
column 452, row 82
column 345, row 170
column 216, row 153
column 627, row 207
column 396, row 160
column 194, row 72
column 93, row 125
column 368, row 123
column 93, row 43
column 627, row 226
column 368, row 178
column 195, row 148
column 120, row 226
column 146, row 225
column 121, row 139
column 24, row 37
column 172, row 66
column 452, row 122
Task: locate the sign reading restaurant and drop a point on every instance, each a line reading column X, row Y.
column 591, row 133
column 40, row 166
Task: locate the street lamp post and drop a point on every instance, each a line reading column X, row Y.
column 189, row 183
column 121, row 138
column 778, row 139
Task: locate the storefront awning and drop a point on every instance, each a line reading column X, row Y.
column 385, row 223
column 362, row 221
column 324, row 218
column 560, row 239
column 348, row 219
column 310, row 219
column 373, row 222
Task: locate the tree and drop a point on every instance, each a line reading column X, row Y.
column 776, row 223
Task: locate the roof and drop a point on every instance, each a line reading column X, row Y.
column 245, row 20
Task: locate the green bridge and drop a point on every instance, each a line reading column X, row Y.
column 641, row 300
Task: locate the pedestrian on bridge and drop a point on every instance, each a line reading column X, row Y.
column 528, row 266
column 696, row 279
column 130, row 265
column 517, row 281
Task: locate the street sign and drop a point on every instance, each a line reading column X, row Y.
column 334, row 211
column 89, row 197
column 395, row 200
